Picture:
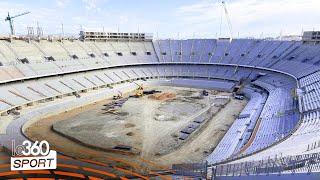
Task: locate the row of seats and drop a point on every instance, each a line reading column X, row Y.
column 76, row 168
column 302, row 140
column 310, row 79
column 277, row 114
column 311, row 96
column 298, row 143
column 311, row 100
column 273, row 54
column 278, row 117
column 239, row 132
column 19, row 51
column 32, row 58
column 15, row 94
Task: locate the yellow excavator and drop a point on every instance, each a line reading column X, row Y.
column 139, row 90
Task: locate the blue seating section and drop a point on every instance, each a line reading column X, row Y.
column 239, row 132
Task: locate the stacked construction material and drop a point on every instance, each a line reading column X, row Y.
column 114, row 106
column 193, row 126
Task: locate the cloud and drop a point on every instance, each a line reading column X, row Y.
column 91, row 4
column 199, row 17
column 62, row 3
column 123, row 19
column 252, row 15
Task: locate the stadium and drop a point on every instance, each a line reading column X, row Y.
column 117, row 105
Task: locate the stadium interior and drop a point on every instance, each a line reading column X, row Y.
column 274, row 85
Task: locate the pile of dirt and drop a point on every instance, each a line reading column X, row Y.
column 129, row 125
column 162, row 96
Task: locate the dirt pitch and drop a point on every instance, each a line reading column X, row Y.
column 148, row 125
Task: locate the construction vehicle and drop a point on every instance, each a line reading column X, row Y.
column 205, row 93
column 118, row 96
column 238, row 97
column 138, row 91
column 10, row 19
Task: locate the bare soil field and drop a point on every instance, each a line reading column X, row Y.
column 145, row 128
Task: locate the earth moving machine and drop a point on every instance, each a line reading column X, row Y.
column 138, row 91
column 205, row 93
column 119, row 96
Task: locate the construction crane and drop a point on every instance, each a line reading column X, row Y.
column 10, row 19
column 228, row 18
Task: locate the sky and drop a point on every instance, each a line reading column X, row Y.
column 165, row 18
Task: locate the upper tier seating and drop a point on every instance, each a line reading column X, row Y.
column 76, row 55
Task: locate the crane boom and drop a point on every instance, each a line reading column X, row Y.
column 228, row 18
column 20, row 14
column 10, row 19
